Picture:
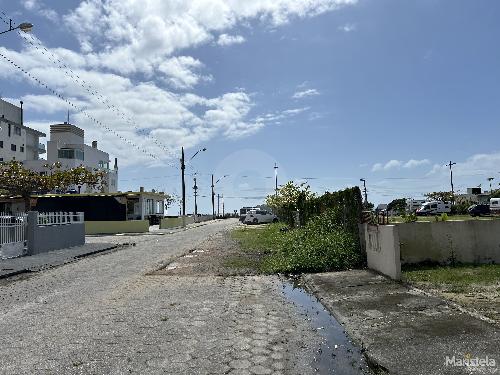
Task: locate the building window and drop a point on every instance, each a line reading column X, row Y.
column 13, row 147
column 1, row 144
column 17, row 130
column 21, row 148
column 103, row 165
column 70, row 153
column 1, row 159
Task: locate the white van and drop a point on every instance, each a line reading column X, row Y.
column 434, row 208
column 495, row 206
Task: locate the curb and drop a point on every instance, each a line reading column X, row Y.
column 65, row 261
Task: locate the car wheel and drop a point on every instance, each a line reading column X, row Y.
column 255, row 221
column 275, row 220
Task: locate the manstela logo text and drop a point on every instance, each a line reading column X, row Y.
column 469, row 361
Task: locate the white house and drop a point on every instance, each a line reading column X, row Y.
column 17, row 141
column 67, row 146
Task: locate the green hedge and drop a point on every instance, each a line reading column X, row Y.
column 321, row 245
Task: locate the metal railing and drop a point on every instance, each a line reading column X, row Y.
column 59, row 218
column 12, row 228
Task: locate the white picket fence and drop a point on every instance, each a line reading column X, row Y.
column 60, row 218
column 12, row 228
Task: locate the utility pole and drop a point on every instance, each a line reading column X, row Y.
column 364, row 189
column 183, row 167
column 195, row 188
column 222, row 205
column 218, row 197
column 276, row 178
column 213, row 197
column 451, row 164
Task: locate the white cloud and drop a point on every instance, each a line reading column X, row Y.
column 120, row 38
column 39, row 7
column 486, row 165
column 277, row 117
column 305, row 93
column 135, row 35
column 396, row 164
column 412, row 163
column 348, row 27
column 227, row 40
column 180, row 72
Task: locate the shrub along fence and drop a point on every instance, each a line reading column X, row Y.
column 328, row 237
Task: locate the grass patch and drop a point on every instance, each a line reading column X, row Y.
column 321, row 245
column 459, row 277
column 258, row 239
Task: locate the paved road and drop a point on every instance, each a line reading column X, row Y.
column 105, row 315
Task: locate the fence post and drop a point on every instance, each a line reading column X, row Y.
column 31, row 231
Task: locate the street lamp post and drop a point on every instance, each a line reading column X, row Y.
column 276, row 178
column 183, row 168
column 213, row 195
column 195, row 188
column 24, row 27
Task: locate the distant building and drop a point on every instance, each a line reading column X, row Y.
column 473, row 196
column 67, row 146
column 121, row 206
column 17, row 141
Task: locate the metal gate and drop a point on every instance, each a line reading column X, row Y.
column 12, row 234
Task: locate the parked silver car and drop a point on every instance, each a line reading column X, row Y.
column 260, row 217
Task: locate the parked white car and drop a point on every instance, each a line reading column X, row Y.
column 260, row 217
column 434, row 208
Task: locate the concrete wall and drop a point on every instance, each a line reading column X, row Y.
column 44, row 238
column 113, row 227
column 389, row 246
column 382, row 249
column 472, row 241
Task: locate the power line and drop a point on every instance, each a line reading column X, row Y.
column 53, row 91
column 92, row 91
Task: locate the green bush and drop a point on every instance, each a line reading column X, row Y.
column 321, row 245
column 410, row 217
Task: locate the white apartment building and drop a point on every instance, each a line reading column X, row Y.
column 67, row 146
column 17, row 141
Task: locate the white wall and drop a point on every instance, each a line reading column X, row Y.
column 382, row 249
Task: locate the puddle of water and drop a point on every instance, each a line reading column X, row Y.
column 337, row 353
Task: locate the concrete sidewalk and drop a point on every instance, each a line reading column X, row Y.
column 34, row 263
column 403, row 330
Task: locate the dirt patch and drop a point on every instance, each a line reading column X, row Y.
column 483, row 300
column 219, row 255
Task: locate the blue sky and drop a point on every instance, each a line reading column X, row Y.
column 330, row 90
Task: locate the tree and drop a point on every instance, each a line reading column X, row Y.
column 397, row 205
column 15, row 180
column 442, row 196
column 289, row 198
column 495, row 194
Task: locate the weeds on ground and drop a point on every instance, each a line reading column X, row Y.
column 459, row 277
column 321, row 245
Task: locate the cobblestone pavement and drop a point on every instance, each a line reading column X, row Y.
column 107, row 314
